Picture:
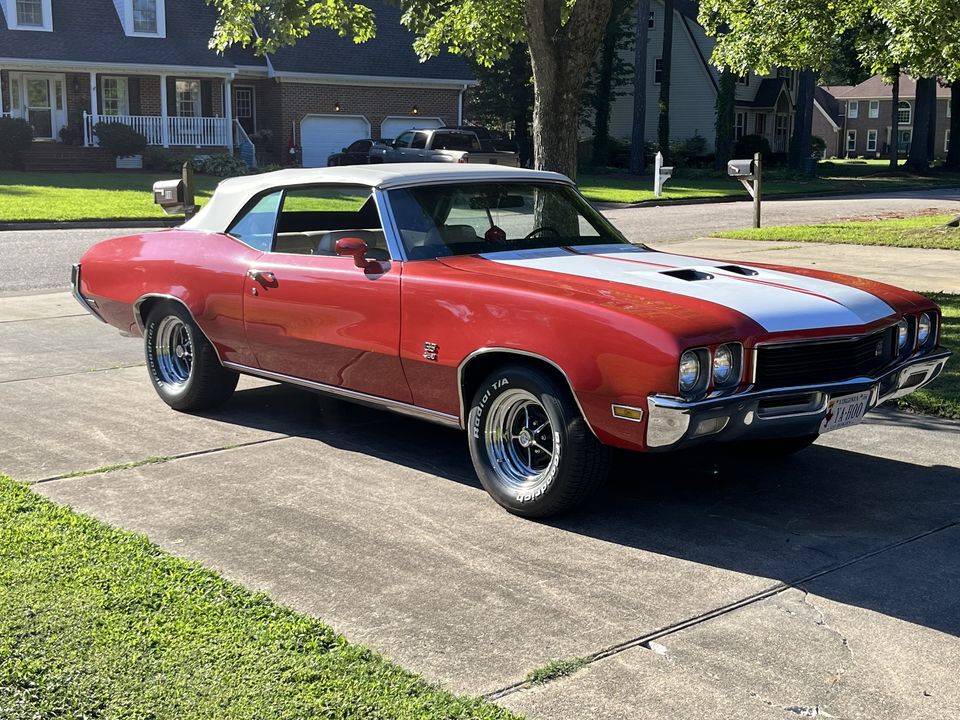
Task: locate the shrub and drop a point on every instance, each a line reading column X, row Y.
column 119, row 140
column 689, row 152
column 166, row 160
column 818, row 147
column 72, row 134
column 268, row 168
column 222, row 165
column 16, row 135
column 748, row 145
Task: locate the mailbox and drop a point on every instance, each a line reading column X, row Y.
column 741, row 169
column 169, row 194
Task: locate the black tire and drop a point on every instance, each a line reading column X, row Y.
column 566, row 462
column 188, row 376
column 774, row 448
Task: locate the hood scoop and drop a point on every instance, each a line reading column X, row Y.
column 738, row 270
column 688, row 274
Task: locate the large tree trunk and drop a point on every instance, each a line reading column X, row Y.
column 726, row 118
column 932, row 126
column 520, row 105
column 917, row 159
column 894, row 148
column 604, row 94
column 803, row 120
column 638, row 139
column 561, row 55
column 666, row 62
column 953, row 152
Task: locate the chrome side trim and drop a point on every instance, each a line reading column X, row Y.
column 138, row 318
column 363, row 398
column 389, row 225
column 89, row 305
column 513, row 351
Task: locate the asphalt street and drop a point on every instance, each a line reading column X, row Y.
column 40, row 259
column 707, row 585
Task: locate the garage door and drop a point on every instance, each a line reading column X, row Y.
column 323, row 135
column 395, row 124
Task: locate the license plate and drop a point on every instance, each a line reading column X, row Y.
column 845, row 411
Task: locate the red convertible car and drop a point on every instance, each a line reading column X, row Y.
column 499, row 301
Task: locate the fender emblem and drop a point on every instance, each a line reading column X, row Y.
column 430, row 351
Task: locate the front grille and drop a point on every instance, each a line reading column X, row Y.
column 824, row 361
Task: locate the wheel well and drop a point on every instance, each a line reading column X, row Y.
column 143, row 306
column 483, row 364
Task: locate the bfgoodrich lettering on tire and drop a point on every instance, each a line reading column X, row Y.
column 183, row 365
column 530, row 446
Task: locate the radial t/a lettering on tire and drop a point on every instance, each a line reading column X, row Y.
column 530, row 445
column 183, row 365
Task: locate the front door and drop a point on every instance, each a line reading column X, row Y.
column 245, row 107
column 39, row 105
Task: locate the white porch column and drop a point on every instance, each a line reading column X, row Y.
column 164, row 121
column 94, row 110
column 228, row 112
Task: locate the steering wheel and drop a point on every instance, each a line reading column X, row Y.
column 542, row 228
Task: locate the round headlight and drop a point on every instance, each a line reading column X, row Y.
column 923, row 329
column 689, row 370
column 723, row 362
column 903, row 331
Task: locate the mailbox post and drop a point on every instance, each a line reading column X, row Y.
column 660, row 174
column 750, row 175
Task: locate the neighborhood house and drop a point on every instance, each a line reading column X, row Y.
column 66, row 65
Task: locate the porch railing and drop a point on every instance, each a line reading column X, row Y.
column 188, row 131
column 244, row 145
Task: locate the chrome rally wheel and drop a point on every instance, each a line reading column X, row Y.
column 531, row 447
column 173, row 349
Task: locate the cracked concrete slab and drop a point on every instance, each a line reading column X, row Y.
column 60, row 345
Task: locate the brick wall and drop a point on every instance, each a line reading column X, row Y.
column 863, row 123
column 375, row 103
column 823, row 129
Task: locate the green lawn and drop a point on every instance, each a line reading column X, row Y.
column 85, row 196
column 98, row 623
column 942, row 396
column 924, row 231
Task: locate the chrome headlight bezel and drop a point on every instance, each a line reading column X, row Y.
column 734, row 353
column 691, row 358
column 925, row 330
column 903, row 335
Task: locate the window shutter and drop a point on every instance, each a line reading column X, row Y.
column 171, row 97
column 133, row 91
column 206, row 98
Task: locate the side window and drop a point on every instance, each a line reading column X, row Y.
column 313, row 218
column 419, row 140
column 404, row 140
column 255, row 227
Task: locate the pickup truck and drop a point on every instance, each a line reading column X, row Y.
column 440, row 145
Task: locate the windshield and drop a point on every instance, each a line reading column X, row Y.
column 467, row 219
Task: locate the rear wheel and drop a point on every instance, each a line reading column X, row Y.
column 530, row 446
column 183, row 365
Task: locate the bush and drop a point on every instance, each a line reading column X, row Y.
column 748, row 145
column 222, row 165
column 16, row 135
column 818, row 147
column 165, row 160
column 120, row 140
column 72, row 134
column 689, row 152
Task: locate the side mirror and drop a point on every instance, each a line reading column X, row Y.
column 351, row 246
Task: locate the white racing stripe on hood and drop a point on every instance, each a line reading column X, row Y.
column 777, row 301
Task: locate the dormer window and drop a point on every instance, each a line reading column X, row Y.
column 28, row 14
column 143, row 18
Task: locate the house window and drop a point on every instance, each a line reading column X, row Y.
column 657, row 71
column 651, row 21
column 739, row 126
column 904, row 138
column 948, row 108
column 760, row 124
column 853, row 108
column 14, row 93
column 871, row 140
column 787, row 75
column 145, row 16
column 904, row 113
column 188, row 98
column 946, row 142
column 30, row 12
column 744, row 80
column 780, row 132
column 874, row 110
column 116, row 96
column 851, row 142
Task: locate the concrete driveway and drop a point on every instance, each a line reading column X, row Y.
column 701, row 586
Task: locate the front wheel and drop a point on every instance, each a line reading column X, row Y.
column 183, row 365
column 530, row 445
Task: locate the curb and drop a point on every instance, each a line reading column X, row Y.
column 90, row 224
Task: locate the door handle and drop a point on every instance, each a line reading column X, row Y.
column 263, row 276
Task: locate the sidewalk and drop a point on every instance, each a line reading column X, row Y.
column 911, row 268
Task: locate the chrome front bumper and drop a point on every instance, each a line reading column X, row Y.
column 89, row 305
column 781, row 412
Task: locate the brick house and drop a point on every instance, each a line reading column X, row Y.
column 855, row 121
column 66, row 65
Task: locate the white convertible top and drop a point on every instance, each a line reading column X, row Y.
column 233, row 193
